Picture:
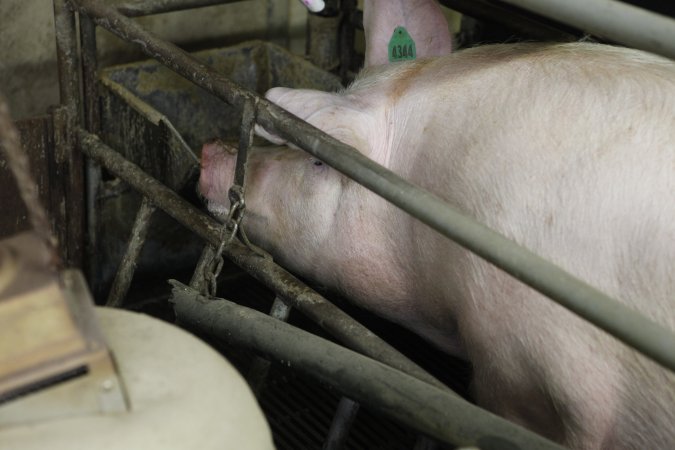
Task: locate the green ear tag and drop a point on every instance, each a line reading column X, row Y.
column 401, row 46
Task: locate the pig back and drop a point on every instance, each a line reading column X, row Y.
column 568, row 150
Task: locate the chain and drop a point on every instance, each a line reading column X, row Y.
column 231, row 228
column 18, row 162
column 227, row 233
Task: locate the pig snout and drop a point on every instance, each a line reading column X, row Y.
column 217, row 174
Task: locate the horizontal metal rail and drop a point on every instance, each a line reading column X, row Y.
column 495, row 12
column 609, row 19
column 426, row 408
column 292, row 290
column 149, row 7
column 632, row 328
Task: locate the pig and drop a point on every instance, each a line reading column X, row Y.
column 568, row 149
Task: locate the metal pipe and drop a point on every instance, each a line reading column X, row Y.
column 257, row 374
column 632, row 328
column 246, row 132
column 149, row 7
column 68, row 156
column 491, row 11
column 92, row 118
column 344, row 417
column 608, row 19
column 198, row 281
column 323, row 40
column 433, row 411
column 125, row 272
column 165, row 52
column 313, row 305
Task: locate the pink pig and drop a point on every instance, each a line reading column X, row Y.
column 568, row 149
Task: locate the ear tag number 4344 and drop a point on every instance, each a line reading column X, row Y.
column 401, row 46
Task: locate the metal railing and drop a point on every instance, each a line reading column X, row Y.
column 630, row 327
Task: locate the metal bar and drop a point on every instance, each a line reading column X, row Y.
column 92, row 123
column 433, row 411
column 248, row 118
column 198, row 281
column 165, row 52
column 313, row 305
column 346, row 40
column 89, row 72
column 125, row 272
column 609, row 19
column 260, row 367
column 68, row 156
column 612, row 316
column 149, row 7
column 341, row 425
column 323, row 39
column 491, row 11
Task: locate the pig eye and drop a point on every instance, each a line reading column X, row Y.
column 318, row 163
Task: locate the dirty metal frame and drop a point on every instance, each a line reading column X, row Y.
column 436, row 412
column 438, row 418
column 612, row 316
column 635, row 330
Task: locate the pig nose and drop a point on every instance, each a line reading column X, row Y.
column 217, row 168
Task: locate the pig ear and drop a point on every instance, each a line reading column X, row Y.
column 331, row 113
column 404, row 29
column 305, row 103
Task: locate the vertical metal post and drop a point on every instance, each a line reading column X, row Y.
column 92, row 124
column 260, row 367
column 344, row 417
column 346, row 45
column 322, row 37
column 125, row 272
column 69, row 159
column 198, row 281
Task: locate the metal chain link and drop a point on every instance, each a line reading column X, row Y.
column 227, row 233
column 231, row 228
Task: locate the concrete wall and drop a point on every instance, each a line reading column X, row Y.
column 28, row 74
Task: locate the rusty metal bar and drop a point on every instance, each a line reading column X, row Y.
column 125, row 271
column 634, row 329
column 435, row 412
column 313, row 305
column 88, row 47
column 68, row 157
column 248, row 118
column 149, row 7
column 323, row 38
column 198, row 281
column 92, row 123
